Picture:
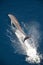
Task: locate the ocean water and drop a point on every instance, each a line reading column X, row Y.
column 26, row 11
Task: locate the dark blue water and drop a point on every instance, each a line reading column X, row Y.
column 24, row 10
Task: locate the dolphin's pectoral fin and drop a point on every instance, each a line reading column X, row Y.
column 26, row 38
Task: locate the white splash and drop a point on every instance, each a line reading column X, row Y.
column 29, row 47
